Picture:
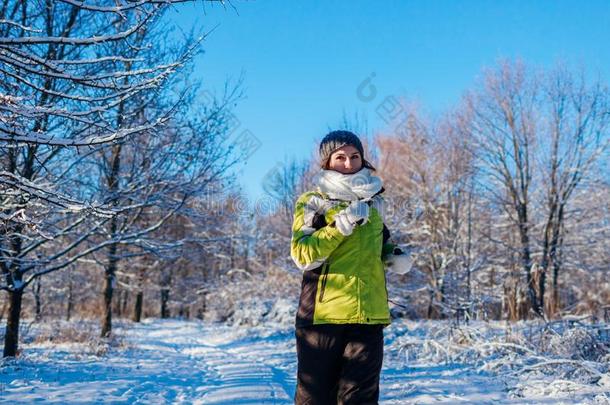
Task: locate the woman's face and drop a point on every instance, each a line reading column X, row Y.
column 345, row 160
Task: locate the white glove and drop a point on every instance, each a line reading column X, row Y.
column 358, row 210
column 346, row 219
column 399, row 264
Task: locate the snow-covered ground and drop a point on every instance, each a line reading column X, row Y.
column 177, row 361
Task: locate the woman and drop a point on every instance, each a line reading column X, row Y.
column 339, row 240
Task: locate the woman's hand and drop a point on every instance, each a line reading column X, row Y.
column 357, row 212
column 402, row 258
column 399, row 263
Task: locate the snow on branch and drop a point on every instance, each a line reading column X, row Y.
column 16, row 137
column 119, row 9
column 44, row 193
column 84, row 41
column 20, row 26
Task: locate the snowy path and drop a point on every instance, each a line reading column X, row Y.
column 172, row 361
column 167, row 362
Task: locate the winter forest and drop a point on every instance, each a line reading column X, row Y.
column 123, row 225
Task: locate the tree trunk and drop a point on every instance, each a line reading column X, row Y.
column 70, row 299
column 556, row 247
column 541, row 291
column 117, row 303
column 556, row 268
column 137, row 310
column 109, row 276
column 526, row 261
column 3, row 310
column 125, row 301
column 246, row 252
column 436, row 298
column 166, row 280
column 164, row 300
column 37, row 299
column 110, row 271
column 509, row 302
column 11, row 337
column 107, row 316
column 469, row 253
column 201, row 310
column 556, row 303
column 430, row 305
column 442, row 299
column 232, row 252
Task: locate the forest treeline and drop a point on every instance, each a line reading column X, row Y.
column 119, row 193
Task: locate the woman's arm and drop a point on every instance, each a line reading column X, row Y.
column 310, row 247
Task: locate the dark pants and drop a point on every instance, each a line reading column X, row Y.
column 338, row 364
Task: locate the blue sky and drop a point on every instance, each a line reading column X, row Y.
column 303, row 61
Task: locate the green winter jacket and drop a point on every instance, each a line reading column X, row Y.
column 344, row 277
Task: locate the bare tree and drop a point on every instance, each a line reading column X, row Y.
column 579, row 116
column 285, row 182
column 502, row 117
column 536, row 135
column 427, row 171
column 61, row 88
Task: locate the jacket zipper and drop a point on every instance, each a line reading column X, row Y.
column 324, row 279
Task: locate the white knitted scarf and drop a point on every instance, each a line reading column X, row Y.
column 361, row 185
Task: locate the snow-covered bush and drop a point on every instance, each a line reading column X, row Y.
column 552, row 357
column 258, row 312
column 254, row 298
column 578, row 344
column 78, row 337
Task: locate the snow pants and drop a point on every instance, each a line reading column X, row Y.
column 338, row 364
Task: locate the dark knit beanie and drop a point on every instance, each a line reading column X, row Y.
column 338, row 139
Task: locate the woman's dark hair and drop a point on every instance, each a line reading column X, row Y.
column 338, row 139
